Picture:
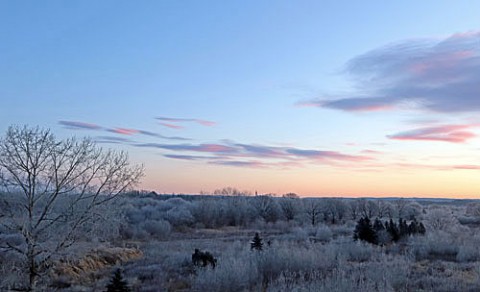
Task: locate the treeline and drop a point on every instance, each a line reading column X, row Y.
column 152, row 215
column 381, row 234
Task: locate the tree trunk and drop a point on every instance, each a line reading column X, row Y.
column 32, row 268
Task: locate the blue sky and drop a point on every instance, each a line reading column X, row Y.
column 315, row 97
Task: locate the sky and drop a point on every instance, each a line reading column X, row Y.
column 320, row 98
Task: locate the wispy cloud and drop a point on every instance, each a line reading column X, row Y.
column 152, row 134
column 326, row 155
column 352, row 104
column 117, row 130
column 237, row 163
column 467, row 167
column 124, row 131
column 241, row 154
column 172, row 126
column 209, row 148
column 79, row 125
column 112, row 140
column 173, row 122
column 446, row 133
column 260, row 150
column 189, row 157
column 441, row 75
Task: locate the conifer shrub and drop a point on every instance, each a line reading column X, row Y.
column 257, row 242
column 117, row 283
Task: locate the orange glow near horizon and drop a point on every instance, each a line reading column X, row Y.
column 316, row 181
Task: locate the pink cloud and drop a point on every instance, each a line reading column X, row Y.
column 441, row 62
column 283, row 157
column 465, row 35
column 215, row 148
column 206, row 123
column 467, row 167
column 354, row 104
column 439, row 75
column 446, row 133
column 172, row 126
column 124, row 131
column 369, row 151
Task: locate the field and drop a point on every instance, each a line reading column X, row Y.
column 303, row 244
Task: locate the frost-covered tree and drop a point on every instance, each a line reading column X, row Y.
column 266, row 207
column 52, row 189
column 313, row 209
column 289, row 206
column 334, row 210
column 354, row 209
column 441, row 219
column 473, row 209
column 384, row 209
column 367, row 208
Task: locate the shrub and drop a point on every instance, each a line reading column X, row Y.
column 323, row 233
column 117, row 284
column 257, row 242
column 356, row 251
column 159, row 229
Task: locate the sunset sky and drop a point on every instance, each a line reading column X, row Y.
column 320, row 98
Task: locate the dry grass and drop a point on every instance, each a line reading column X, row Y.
column 88, row 267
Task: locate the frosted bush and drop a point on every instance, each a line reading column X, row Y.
column 437, row 245
column 180, row 217
column 468, row 253
column 159, row 229
column 134, row 216
column 300, row 233
column 282, row 226
column 152, row 212
column 357, row 251
column 296, row 259
column 465, row 220
column 441, row 219
column 342, row 230
column 231, row 274
column 323, row 233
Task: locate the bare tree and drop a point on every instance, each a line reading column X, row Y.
column 289, row 207
column 52, row 189
column 473, row 209
column 313, row 209
column 354, row 209
column 230, row 191
column 400, row 206
column 334, row 210
column 266, row 207
column 291, row 196
column 384, row 209
column 367, row 208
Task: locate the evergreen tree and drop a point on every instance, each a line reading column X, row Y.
column 364, row 231
column 402, row 228
column 117, row 283
column 413, row 227
column 378, row 225
column 421, row 228
column 393, row 230
column 257, row 242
